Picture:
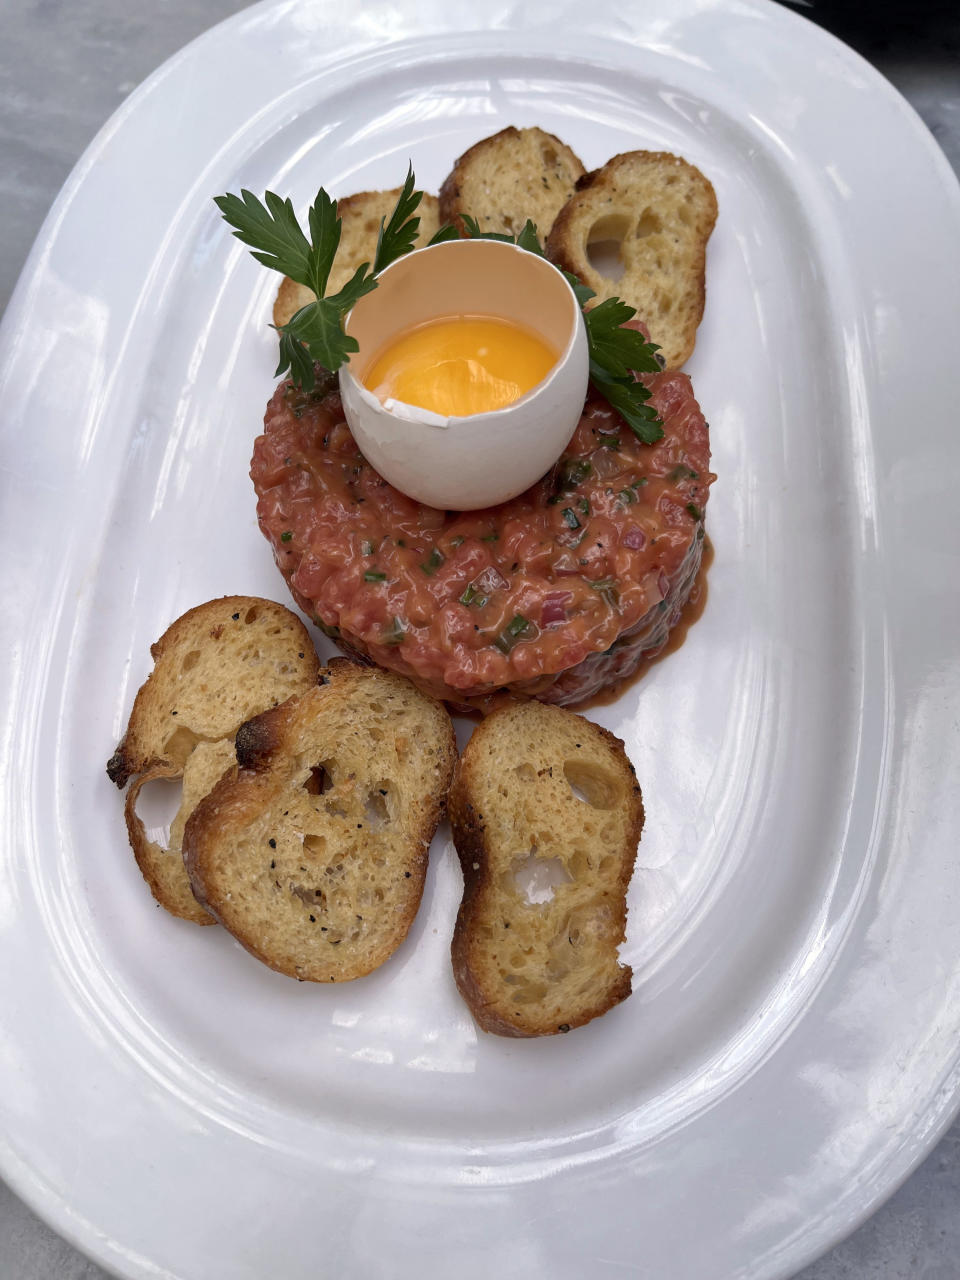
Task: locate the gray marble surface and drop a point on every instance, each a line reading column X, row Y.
column 65, row 65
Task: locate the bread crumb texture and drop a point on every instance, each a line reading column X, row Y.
column 314, row 854
column 546, row 815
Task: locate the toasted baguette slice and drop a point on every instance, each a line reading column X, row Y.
column 215, row 667
column 314, row 855
column 660, row 210
column 546, row 815
column 514, row 175
column 360, row 215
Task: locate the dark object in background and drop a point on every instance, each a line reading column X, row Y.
column 929, row 30
column 916, row 46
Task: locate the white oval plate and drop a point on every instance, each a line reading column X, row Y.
column 791, row 1049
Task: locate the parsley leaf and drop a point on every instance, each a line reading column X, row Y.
column 447, row 232
column 629, row 399
column 272, row 231
column 295, row 358
column 315, row 333
column 528, row 239
column 582, row 292
column 616, row 354
column 398, row 234
column 475, row 232
column 362, row 282
column 617, row 350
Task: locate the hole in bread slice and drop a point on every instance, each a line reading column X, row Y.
column 605, row 258
column 318, row 780
column 592, row 784
column 379, row 807
column 158, row 802
column 310, row 896
column 180, row 745
column 535, row 878
column 648, row 224
column 604, row 247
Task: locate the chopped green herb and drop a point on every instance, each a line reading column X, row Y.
column 610, row 442
column 584, row 506
column 607, row 588
column 511, row 633
column 373, row 575
column 573, row 471
column 394, row 633
column 286, row 535
column 694, row 511
column 683, row 472
column 457, row 540
column 433, row 562
column 629, row 494
column 570, row 517
column 477, row 593
column 490, row 537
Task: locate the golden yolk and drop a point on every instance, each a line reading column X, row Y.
column 458, row 365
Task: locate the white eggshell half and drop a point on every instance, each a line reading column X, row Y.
column 461, row 464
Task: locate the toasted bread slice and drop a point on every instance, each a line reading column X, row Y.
column 314, row 854
column 657, row 211
column 546, row 815
column 215, row 667
column 361, row 215
column 514, row 175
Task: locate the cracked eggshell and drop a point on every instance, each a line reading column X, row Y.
column 465, row 463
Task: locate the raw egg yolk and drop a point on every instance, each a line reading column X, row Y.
column 458, row 365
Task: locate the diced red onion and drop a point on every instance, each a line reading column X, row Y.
column 554, row 608
column 634, row 538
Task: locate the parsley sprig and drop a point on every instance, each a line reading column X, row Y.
column 315, row 334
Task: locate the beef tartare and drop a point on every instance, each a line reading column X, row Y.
column 555, row 594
